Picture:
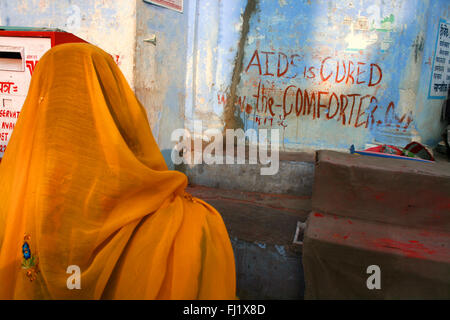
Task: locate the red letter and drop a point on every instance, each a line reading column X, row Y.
column 358, row 73
column 313, row 75
column 241, row 103
column 329, row 106
column 353, row 105
column 267, row 63
column 350, row 73
column 270, row 103
column 321, row 70
column 248, row 109
column 337, row 72
column 284, row 102
column 371, row 72
column 390, row 106
column 257, row 97
column 293, row 64
column 318, row 102
column 221, row 99
column 297, row 110
column 279, row 74
column 342, row 109
column 311, row 102
column 357, row 124
column 373, row 99
column 251, row 60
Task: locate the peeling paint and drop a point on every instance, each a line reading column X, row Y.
column 202, row 67
column 231, row 119
column 282, row 3
column 283, row 61
column 108, row 24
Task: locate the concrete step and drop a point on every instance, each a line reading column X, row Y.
column 262, row 228
column 295, row 175
column 414, row 262
column 399, row 192
column 255, row 216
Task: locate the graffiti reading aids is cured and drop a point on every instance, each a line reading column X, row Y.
column 270, row 64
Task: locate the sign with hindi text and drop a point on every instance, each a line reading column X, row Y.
column 440, row 74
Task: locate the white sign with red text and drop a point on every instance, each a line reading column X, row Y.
column 18, row 58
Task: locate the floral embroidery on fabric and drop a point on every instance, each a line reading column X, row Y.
column 29, row 262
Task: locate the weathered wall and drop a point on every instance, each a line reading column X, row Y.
column 328, row 74
column 156, row 71
column 214, row 35
column 160, row 71
column 108, row 24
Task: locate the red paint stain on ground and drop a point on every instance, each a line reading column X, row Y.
column 413, row 249
column 349, row 221
column 338, row 236
column 443, row 204
column 435, row 216
column 318, row 215
column 379, row 196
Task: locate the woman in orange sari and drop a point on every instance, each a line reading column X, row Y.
column 84, row 187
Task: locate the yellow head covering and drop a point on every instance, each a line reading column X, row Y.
column 83, row 183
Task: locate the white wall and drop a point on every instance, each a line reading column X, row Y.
column 108, row 24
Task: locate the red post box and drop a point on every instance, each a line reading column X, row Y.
column 20, row 50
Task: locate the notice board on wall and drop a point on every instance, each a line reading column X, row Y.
column 176, row 5
column 440, row 73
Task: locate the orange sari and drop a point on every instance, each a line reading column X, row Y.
column 83, row 184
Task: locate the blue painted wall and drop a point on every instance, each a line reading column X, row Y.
column 160, row 69
column 193, row 71
column 284, row 54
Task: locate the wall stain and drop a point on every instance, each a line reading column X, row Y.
column 418, row 47
column 231, row 119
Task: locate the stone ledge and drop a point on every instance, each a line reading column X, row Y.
column 414, row 263
column 392, row 191
column 257, row 217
